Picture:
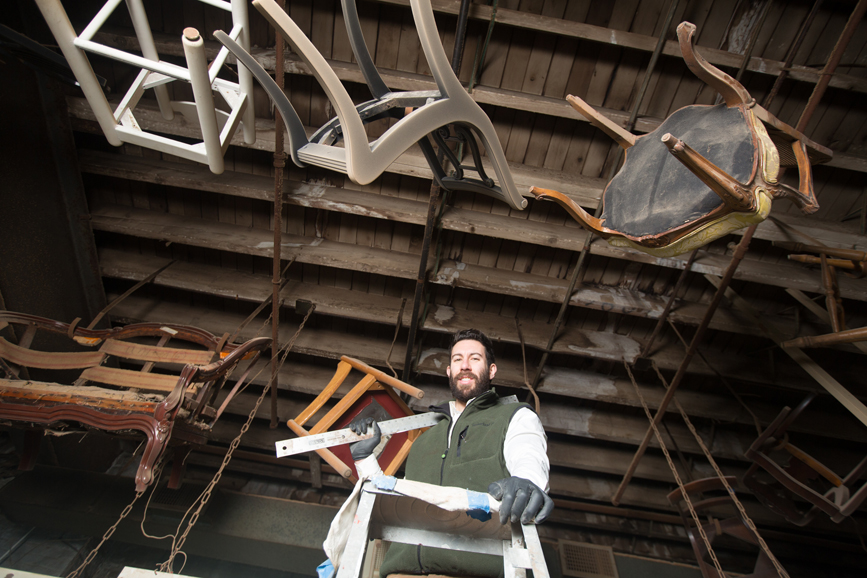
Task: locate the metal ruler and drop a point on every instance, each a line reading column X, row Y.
column 346, row 436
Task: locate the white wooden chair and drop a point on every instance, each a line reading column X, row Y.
column 120, row 125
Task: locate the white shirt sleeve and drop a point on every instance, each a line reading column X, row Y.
column 368, row 467
column 526, row 448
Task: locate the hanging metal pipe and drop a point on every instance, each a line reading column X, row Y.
column 740, row 251
column 581, row 265
column 831, row 66
column 279, row 164
column 460, row 36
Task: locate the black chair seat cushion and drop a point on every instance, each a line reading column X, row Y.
column 654, row 193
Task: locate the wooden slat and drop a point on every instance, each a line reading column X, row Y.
column 154, row 382
column 78, row 394
column 129, row 350
column 48, row 359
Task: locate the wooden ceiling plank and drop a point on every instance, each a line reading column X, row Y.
column 786, row 274
column 443, row 319
column 646, row 43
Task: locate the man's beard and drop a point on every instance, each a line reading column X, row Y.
column 481, row 385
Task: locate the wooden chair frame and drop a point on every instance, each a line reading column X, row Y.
column 177, row 407
column 120, row 125
column 838, row 502
column 734, row 527
column 373, row 380
column 742, row 203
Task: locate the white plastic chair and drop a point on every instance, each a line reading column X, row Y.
column 364, row 161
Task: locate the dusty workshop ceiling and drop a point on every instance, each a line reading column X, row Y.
column 355, row 250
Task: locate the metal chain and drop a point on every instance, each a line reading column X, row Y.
column 671, row 465
column 747, row 520
column 206, row 494
column 108, row 533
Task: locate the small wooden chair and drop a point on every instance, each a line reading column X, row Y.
column 797, row 477
column 372, row 396
column 114, row 387
column 704, row 172
column 733, row 527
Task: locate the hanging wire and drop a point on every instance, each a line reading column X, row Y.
column 526, row 378
column 677, row 479
column 744, row 516
column 178, row 543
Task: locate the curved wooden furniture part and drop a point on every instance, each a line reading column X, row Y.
column 703, row 173
column 175, row 405
column 373, row 396
column 790, row 478
column 734, row 527
column 434, row 110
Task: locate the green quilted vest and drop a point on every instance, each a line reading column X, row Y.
column 473, row 460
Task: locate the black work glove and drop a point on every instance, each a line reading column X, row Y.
column 364, row 448
column 520, row 498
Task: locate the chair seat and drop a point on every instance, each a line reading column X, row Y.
column 672, row 196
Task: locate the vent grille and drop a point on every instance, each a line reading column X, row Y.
column 587, row 560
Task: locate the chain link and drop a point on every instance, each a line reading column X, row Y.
column 680, row 485
column 178, row 543
column 108, row 533
column 747, row 520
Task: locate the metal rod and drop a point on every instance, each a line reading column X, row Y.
column 460, row 36
column 790, row 56
column 831, row 66
column 651, row 66
column 482, row 51
column 740, row 251
column 430, row 225
column 581, row 265
column 279, row 164
column 667, row 310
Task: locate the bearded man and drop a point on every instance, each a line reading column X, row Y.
column 482, row 445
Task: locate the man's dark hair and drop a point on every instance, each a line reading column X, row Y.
column 475, row 335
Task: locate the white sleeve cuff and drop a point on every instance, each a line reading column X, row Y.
column 368, row 467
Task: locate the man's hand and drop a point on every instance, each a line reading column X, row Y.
column 364, row 448
column 520, row 498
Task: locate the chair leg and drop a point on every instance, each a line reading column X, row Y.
column 803, row 196
column 621, row 136
column 731, row 90
column 586, row 220
column 732, row 193
column 294, row 126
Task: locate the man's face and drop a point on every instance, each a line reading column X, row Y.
column 468, row 371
